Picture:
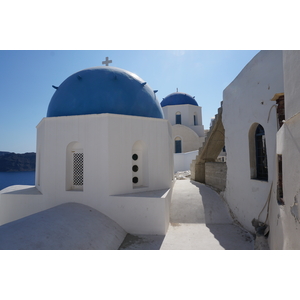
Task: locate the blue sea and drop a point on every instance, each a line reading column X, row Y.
column 13, row 178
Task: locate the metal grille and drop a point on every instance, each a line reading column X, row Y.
column 77, row 168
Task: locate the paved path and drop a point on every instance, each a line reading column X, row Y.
column 200, row 220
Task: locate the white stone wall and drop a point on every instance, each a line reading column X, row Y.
column 107, row 143
column 19, row 201
column 192, row 136
column 284, row 219
column 190, row 141
column 291, row 64
column 182, row 161
column 246, row 101
column 187, row 116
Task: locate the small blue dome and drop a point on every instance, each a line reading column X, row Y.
column 178, row 99
column 104, row 90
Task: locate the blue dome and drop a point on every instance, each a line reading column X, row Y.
column 104, row 90
column 178, row 99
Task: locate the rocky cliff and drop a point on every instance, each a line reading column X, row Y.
column 13, row 162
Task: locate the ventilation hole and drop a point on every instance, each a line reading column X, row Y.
column 135, row 168
column 135, row 180
column 135, row 157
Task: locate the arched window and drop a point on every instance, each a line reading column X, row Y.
column 258, row 152
column 178, row 117
column 195, row 119
column 178, row 146
column 261, row 154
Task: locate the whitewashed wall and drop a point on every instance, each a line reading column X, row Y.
column 190, row 141
column 246, row 101
column 107, row 141
column 187, row 116
column 182, row 161
column 285, row 219
column 291, row 67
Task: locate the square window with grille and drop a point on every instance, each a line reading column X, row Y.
column 78, row 169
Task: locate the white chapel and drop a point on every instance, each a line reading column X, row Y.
column 185, row 117
column 104, row 143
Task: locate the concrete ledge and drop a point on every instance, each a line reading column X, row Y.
column 19, row 201
column 21, row 190
column 147, row 194
column 145, row 213
column 69, row 226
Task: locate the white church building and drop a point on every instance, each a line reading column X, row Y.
column 96, row 147
column 261, row 118
column 185, row 117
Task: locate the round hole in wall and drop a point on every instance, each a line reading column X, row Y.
column 135, row 168
column 135, row 180
column 135, row 156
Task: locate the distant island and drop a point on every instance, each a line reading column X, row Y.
column 13, row 162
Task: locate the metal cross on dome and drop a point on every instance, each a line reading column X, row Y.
column 106, row 61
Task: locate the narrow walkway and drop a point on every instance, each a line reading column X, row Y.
column 200, row 220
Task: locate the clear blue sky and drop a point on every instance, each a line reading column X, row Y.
column 26, row 79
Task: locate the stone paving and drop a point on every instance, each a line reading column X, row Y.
column 199, row 220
